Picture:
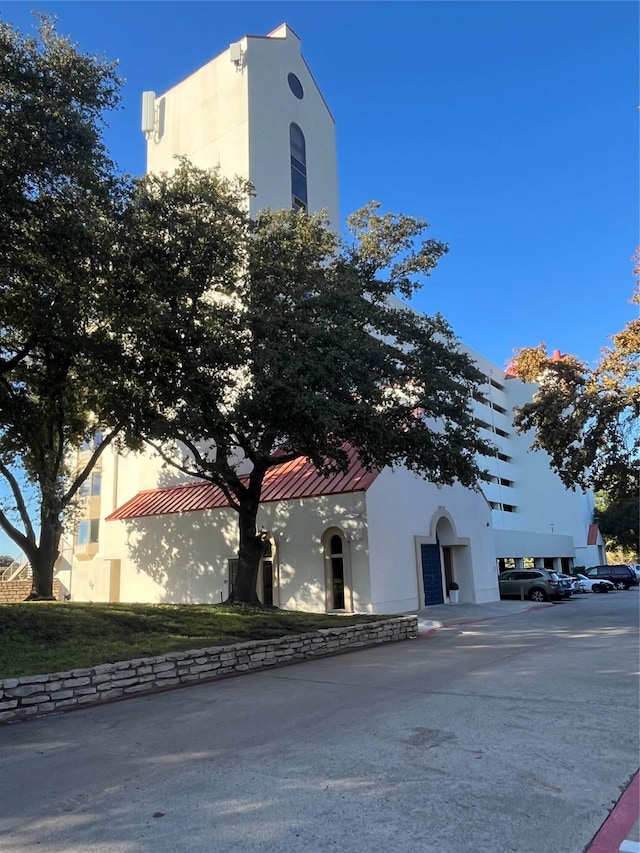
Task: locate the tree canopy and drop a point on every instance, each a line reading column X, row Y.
column 263, row 341
column 60, row 199
column 587, row 419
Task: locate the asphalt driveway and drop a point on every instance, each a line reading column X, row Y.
column 512, row 734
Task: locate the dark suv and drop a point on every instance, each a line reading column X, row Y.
column 536, row 584
column 622, row 577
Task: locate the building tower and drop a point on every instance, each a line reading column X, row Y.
column 253, row 111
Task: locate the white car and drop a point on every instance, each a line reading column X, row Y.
column 635, row 567
column 594, row 584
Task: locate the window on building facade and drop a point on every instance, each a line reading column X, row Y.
column 295, row 85
column 91, row 486
column 337, row 572
column 298, row 150
column 88, row 530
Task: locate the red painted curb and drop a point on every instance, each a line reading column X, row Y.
column 616, row 827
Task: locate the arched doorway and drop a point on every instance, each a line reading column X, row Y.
column 439, row 560
column 447, row 538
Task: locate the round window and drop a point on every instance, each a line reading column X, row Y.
column 296, row 86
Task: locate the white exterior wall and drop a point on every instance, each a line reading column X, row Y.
column 403, row 511
column 88, row 577
column 297, row 528
column 204, row 118
column 184, row 557
column 559, row 517
column 549, row 520
column 237, row 117
column 273, row 107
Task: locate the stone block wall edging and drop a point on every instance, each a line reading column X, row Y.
column 35, row 695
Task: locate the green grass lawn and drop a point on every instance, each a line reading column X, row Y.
column 41, row 637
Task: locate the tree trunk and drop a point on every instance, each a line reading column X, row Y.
column 251, row 548
column 43, row 559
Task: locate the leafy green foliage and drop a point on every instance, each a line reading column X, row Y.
column 619, row 523
column 59, row 207
column 587, row 419
column 263, row 341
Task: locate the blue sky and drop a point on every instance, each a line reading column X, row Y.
column 512, row 127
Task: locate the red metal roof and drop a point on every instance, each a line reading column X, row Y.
column 288, row 481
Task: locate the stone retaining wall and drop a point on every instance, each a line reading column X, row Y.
column 34, row 695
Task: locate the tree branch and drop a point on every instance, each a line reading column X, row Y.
column 9, row 364
column 202, row 473
column 97, row 453
column 24, row 542
column 20, row 504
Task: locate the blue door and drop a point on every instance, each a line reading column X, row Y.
column 431, row 574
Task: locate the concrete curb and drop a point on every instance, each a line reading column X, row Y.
column 614, row 834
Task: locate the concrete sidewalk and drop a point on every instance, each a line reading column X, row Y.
column 618, row 834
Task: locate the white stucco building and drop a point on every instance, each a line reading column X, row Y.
column 385, row 542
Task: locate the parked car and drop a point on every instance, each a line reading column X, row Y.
column 622, row 577
column 594, row 584
column 572, row 581
column 535, row 584
column 635, row 568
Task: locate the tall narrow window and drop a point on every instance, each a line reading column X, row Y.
column 337, row 573
column 298, row 168
column 337, row 569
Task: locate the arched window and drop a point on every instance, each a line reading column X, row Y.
column 298, row 150
column 337, row 570
column 337, row 573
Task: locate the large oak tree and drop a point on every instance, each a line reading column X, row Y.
column 267, row 340
column 60, row 199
